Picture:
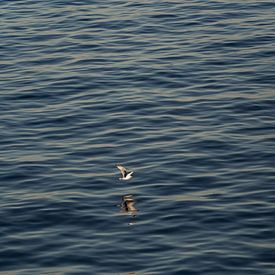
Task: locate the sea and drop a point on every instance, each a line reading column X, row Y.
column 180, row 92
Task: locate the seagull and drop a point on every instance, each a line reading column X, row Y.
column 126, row 175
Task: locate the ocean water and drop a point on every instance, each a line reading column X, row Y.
column 180, row 92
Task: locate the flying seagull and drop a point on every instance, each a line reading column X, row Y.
column 126, row 175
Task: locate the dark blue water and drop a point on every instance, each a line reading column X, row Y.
column 182, row 92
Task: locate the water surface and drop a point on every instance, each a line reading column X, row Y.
column 180, row 92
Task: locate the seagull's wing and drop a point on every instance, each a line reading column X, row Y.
column 122, row 170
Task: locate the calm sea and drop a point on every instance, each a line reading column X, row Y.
column 180, row 92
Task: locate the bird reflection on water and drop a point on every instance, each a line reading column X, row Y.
column 128, row 205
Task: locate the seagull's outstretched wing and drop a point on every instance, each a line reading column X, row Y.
column 122, row 170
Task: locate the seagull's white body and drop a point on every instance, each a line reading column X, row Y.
column 126, row 175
